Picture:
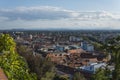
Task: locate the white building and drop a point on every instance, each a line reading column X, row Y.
column 90, row 47
column 87, row 46
column 92, row 67
column 31, row 36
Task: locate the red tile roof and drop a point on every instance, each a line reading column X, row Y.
column 76, row 51
column 2, row 75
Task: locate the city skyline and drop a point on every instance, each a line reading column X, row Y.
column 61, row 14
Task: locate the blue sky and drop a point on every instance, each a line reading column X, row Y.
column 81, row 5
column 90, row 14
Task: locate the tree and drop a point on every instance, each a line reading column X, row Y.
column 116, row 72
column 111, row 47
column 14, row 66
column 6, row 43
column 102, row 74
column 43, row 67
column 48, row 76
column 78, row 76
column 60, row 77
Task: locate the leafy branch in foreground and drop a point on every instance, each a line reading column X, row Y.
column 14, row 66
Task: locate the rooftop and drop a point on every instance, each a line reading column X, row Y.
column 2, row 75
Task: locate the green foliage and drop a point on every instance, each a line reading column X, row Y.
column 78, row 76
column 116, row 72
column 61, row 77
column 13, row 65
column 6, row 43
column 48, row 76
column 43, row 67
column 102, row 74
column 112, row 47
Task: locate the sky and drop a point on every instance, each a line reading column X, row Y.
column 59, row 14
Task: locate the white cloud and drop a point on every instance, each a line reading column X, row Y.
column 52, row 17
column 35, row 13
